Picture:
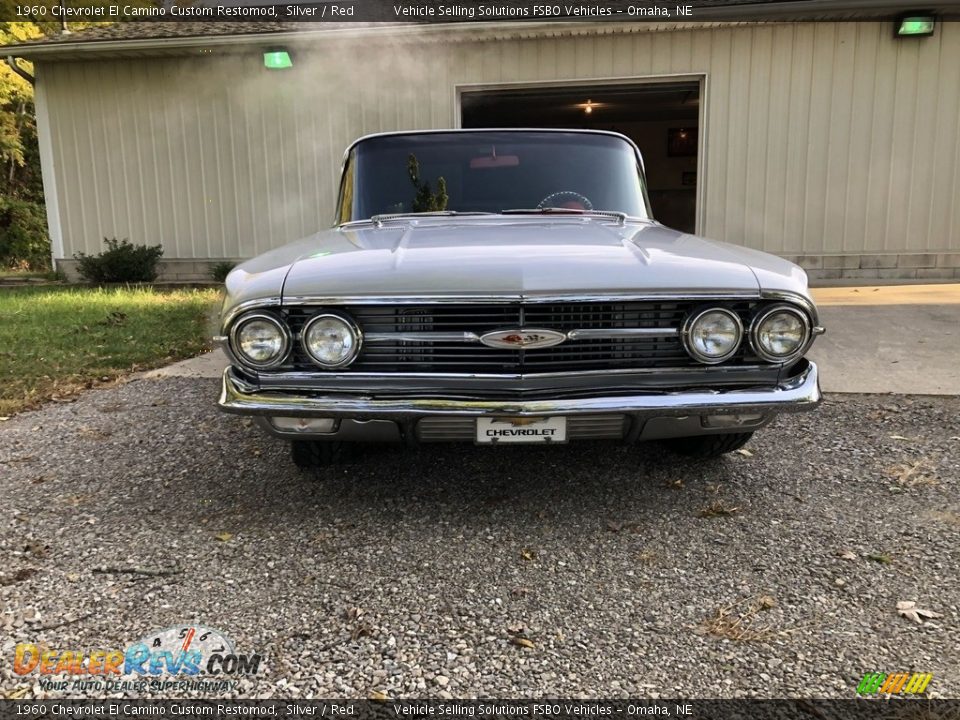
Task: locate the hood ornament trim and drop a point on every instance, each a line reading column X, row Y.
column 523, row 338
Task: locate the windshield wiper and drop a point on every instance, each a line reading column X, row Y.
column 620, row 216
column 377, row 219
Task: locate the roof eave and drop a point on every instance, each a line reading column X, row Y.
column 787, row 11
column 476, row 30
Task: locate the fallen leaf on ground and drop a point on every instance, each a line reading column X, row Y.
column 744, row 452
column 224, row 536
column 18, row 576
column 522, row 642
column 945, row 516
column 363, row 629
column 739, row 620
column 717, row 509
column 646, row 556
column 378, row 696
column 528, row 554
column 922, row 472
column 909, row 609
column 37, row 549
column 848, row 555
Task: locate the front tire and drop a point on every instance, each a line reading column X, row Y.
column 708, row 446
column 310, row 455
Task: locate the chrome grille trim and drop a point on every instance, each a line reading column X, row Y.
column 613, row 333
column 699, row 296
column 469, row 337
column 426, row 337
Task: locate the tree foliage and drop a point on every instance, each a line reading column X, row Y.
column 23, row 228
column 426, row 200
column 17, row 126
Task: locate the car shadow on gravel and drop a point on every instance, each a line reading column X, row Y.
column 595, row 482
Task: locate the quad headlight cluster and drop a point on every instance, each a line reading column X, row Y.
column 262, row 341
column 777, row 334
column 713, row 335
column 331, row 341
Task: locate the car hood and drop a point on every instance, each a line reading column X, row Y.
column 514, row 256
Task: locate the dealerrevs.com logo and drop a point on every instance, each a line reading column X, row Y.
column 183, row 652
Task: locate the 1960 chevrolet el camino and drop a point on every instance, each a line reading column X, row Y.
column 511, row 286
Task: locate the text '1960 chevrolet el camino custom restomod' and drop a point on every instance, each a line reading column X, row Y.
column 511, row 286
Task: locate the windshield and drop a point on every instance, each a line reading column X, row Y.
column 493, row 172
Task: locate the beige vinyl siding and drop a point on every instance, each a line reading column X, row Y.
column 819, row 138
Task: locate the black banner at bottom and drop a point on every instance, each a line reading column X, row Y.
column 895, row 708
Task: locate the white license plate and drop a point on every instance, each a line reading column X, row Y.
column 521, row 430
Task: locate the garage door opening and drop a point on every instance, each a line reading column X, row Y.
column 662, row 118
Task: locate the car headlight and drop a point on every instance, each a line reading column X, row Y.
column 713, row 335
column 260, row 340
column 780, row 333
column 331, row 341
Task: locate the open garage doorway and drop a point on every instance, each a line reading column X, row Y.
column 661, row 117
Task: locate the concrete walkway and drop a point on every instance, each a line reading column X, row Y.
column 889, row 339
column 901, row 339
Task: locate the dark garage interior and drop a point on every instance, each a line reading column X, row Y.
column 660, row 117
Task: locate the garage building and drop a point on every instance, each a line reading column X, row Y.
column 833, row 143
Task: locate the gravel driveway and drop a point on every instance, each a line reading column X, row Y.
column 585, row 570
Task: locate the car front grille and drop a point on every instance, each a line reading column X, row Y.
column 450, row 354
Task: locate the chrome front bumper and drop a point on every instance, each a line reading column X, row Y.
column 798, row 393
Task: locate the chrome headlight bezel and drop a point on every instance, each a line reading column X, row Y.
column 695, row 317
column 242, row 357
column 762, row 316
column 354, row 329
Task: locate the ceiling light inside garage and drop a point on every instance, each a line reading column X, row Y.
column 915, row 25
column 277, row 60
column 590, row 105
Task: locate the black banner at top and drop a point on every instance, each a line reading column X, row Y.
column 439, row 11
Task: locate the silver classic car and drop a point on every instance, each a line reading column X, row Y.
column 511, row 286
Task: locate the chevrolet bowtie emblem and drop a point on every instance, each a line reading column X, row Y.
column 523, row 339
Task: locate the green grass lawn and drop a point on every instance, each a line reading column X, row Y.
column 55, row 341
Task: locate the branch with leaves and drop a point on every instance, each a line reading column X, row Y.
column 426, row 200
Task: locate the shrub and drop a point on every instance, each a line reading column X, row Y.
column 24, row 243
column 120, row 262
column 220, row 270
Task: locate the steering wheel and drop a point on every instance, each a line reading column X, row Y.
column 566, row 199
